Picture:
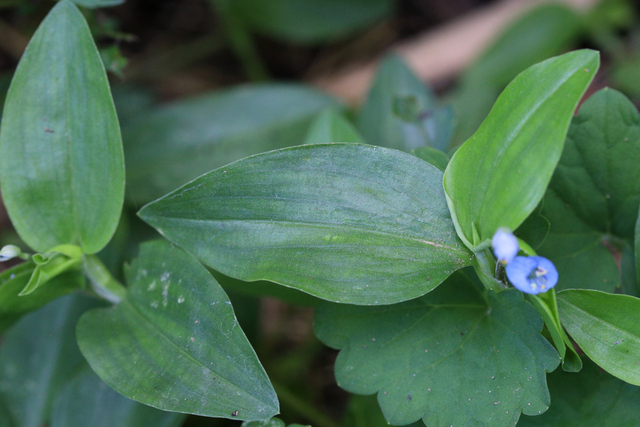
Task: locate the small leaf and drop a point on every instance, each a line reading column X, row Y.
column 98, row 3
column 87, row 401
column 591, row 398
column 344, row 222
column 311, row 21
column 606, row 328
column 273, row 422
column 390, row 116
column 14, row 280
column 432, row 155
column 499, row 175
column 332, row 127
column 451, row 357
column 592, row 200
column 37, row 356
column 170, row 145
column 177, row 323
column 61, row 160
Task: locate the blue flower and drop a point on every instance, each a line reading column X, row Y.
column 505, row 245
column 532, row 275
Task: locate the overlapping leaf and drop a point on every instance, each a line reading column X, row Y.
column 591, row 397
column 330, row 126
column 86, row 400
column 171, row 145
column 344, row 222
column 174, row 342
column 61, row 159
column 592, row 200
column 497, row 178
column 451, row 357
column 606, row 328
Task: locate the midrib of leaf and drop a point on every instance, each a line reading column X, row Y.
column 150, row 326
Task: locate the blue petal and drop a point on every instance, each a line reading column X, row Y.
column 505, row 245
column 532, row 275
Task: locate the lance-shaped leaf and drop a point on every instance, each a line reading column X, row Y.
column 451, row 357
column 606, row 328
column 499, row 175
column 592, row 200
column 37, row 356
column 331, row 126
column 61, row 160
column 591, row 397
column 86, row 400
column 174, row 342
column 168, row 146
column 344, row 222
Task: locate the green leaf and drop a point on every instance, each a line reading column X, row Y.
column 273, row 422
column 593, row 197
column 592, row 398
column 87, row 401
column 14, row 280
column 497, row 178
column 451, row 357
column 37, row 356
column 391, row 115
column 178, row 324
column 432, row 155
column 171, row 145
column 311, row 21
column 364, row 411
column 331, row 126
column 344, row 222
column 606, row 328
column 61, row 160
column 5, row 416
column 535, row 229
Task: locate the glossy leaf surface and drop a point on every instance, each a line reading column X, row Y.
column 61, row 159
column 37, row 356
column 605, row 327
column 174, row 342
column 170, row 145
column 593, row 197
column 344, row 222
column 499, row 175
column 591, row 397
column 451, row 357
column 85, row 400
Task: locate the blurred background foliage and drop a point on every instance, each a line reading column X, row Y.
column 199, row 84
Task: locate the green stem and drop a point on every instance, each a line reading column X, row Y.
column 241, row 41
column 485, row 267
column 102, row 282
column 302, row 408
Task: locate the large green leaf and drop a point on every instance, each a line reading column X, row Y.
column 452, row 357
column 14, row 280
column 344, row 222
column 98, row 3
column 85, row 400
column 606, row 328
column 37, row 356
column 174, row 342
column 171, row 145
column 590, row 398
column 391, row 115
column 61, row 160
column 310, row 21
column 592, row 200
column 499, row 175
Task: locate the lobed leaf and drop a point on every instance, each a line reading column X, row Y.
column 61, row 159
column 498, row 177
column 592, row 200
column 174, row 342
column 344, row 222
column 451, row 357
